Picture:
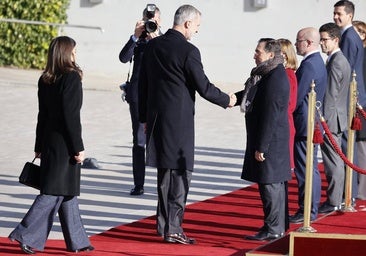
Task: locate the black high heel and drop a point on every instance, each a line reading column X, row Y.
column 25, row 248
column 85, row 249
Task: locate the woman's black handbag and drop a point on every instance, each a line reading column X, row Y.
column 31, row 175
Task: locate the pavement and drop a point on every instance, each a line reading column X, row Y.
column 105, row 201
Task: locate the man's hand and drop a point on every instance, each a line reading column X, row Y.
column 139, row 28
column 232, row 99
column 79, row 158
column 259, row 156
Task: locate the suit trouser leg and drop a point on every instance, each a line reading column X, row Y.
column 173, row 186
column 300, row 172
column 72, row 226
column 163, row 181
column 36, row 225
column 334, row 170
column 138, row 148
column 274, row 206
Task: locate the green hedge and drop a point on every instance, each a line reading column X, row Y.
column 25, row 45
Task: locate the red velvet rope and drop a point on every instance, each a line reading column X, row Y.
column 361, row 111
column 338, row 150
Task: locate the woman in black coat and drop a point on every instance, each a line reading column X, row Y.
column 60, row 146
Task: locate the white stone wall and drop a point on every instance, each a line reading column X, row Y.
column 227, row 37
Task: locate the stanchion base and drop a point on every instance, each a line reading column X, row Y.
column 306, row 230
column 348, row 209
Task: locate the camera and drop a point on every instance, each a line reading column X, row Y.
column 150, row 24
column 124, row 89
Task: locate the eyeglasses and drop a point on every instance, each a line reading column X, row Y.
column 300, row 40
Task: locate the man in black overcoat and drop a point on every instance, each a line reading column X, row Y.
column 267, row 159
column 170, row 75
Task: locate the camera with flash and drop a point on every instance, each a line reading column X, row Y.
column 150, row 25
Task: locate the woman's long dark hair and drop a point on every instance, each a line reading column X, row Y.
column 59, row 59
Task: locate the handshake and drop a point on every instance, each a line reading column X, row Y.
column 232, row 100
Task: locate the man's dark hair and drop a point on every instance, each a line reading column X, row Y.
column 271, row 45
column 332, row 29
column 349, row 7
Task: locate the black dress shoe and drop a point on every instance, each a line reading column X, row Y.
column 264, row 235
column 137, row 191
column 297, row 218
column 326, row 208
column 179, row 238
column 85, row 249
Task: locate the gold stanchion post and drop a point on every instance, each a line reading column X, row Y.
column 350, row 146
column 309, row 161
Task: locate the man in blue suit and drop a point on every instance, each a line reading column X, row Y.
column 352, row 48
column 311, row 68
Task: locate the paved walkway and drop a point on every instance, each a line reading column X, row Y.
column 105, row 201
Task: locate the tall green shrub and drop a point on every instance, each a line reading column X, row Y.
column 25, row 45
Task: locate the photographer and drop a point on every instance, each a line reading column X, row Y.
column 132, row 52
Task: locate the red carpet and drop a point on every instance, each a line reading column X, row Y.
column 219, row 225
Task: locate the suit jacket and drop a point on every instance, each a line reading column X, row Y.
column 336, row 95
column 311, row 68
column 171, row 73
column 58, row 134
column 268, row 130
column 352, row 48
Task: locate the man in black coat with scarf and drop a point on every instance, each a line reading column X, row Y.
column 265, row 102
column 170, row 75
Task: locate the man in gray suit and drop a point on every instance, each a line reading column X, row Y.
column 335, row 113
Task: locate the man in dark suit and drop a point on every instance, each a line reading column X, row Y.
column 170, row 75
column 311, row 68
column 352, row 48
column 267, row 157
column 335, row 113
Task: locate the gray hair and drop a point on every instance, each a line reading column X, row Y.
column 185, row 13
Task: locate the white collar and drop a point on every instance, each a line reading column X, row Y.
column 309, row 53
column 345, row 28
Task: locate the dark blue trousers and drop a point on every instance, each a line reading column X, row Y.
column 138, row 148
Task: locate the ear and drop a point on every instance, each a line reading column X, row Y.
column 187, row 24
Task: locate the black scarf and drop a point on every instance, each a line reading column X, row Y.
column 250, row 86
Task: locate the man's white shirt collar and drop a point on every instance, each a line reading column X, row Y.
column 309, row 53
column 345, row 28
